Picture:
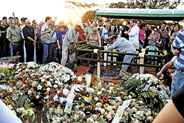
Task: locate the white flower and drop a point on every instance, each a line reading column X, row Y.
column 34, row 84
column 79, row 78
column 102, row 111
column 96, row 98
column 90, row 120
column 98, row 104
column 39, row 87
column 37, row 96
column 56, row 82
column 56, row 98
column 42, row 79
column 29, row 92
column 60, row 84
column 65, row 91
column 48, row 89
column 49, row 84
column 55, row 86
column 62, row 100
column 67, row 77
column 46, row 97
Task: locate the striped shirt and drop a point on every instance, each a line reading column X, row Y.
column 178, row 43
column 6, row 115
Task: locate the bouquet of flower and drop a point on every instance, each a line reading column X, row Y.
column 39, row 83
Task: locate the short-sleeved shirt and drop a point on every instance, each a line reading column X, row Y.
column 178, row 43
column 134, row 36
column 178, row 101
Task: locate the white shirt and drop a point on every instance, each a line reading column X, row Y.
column 123, row 45
column 104, row 33
column 134, row 36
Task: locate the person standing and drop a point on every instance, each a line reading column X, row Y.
column 4, row 44
column 29, row 37
column 164, row 36
column 105, row 34
column 68, row 47
column 14, row 37
column 134, row 33
column 46, row 32
column 142, row 35
column 178, row 50
column 22, row 44
column 60, row 35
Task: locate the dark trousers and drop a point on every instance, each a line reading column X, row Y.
column 4, row 47
column 29, row 50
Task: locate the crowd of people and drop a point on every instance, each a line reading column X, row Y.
column 44, row 42
column 47, row 41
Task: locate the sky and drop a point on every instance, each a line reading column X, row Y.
column 103, row 1
column 38, row 9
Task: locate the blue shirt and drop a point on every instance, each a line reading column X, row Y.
column 6, row 115
column 123, row 45
column 178, row 43
column 60, row 36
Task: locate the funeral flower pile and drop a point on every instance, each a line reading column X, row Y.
column 51, row 88
column 38, row 82
column 93, row 105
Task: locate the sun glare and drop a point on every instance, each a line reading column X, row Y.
column 69, row 13
column 61, row 10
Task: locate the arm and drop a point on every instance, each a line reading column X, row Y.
column 27, row 35
column 176, row 52
column 8, row 35
column 31, row 39
column 169, row 114
column 58, row 45
column 168, row 64
column 113, row 46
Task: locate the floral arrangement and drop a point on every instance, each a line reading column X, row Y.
column 93, row 105
column 49, row 88
column 38, row 82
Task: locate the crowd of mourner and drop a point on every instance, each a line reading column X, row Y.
column 47, row 41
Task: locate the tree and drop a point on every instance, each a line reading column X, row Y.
column 153, row 4
column 88, row 16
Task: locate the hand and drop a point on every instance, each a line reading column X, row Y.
column 176, row 52
column 34, row 43
column 160, row 75
column 59, row 47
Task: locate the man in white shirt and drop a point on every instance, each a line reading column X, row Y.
column 134, row 33
column 123, row 45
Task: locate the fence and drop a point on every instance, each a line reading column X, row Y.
column 141, row 59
